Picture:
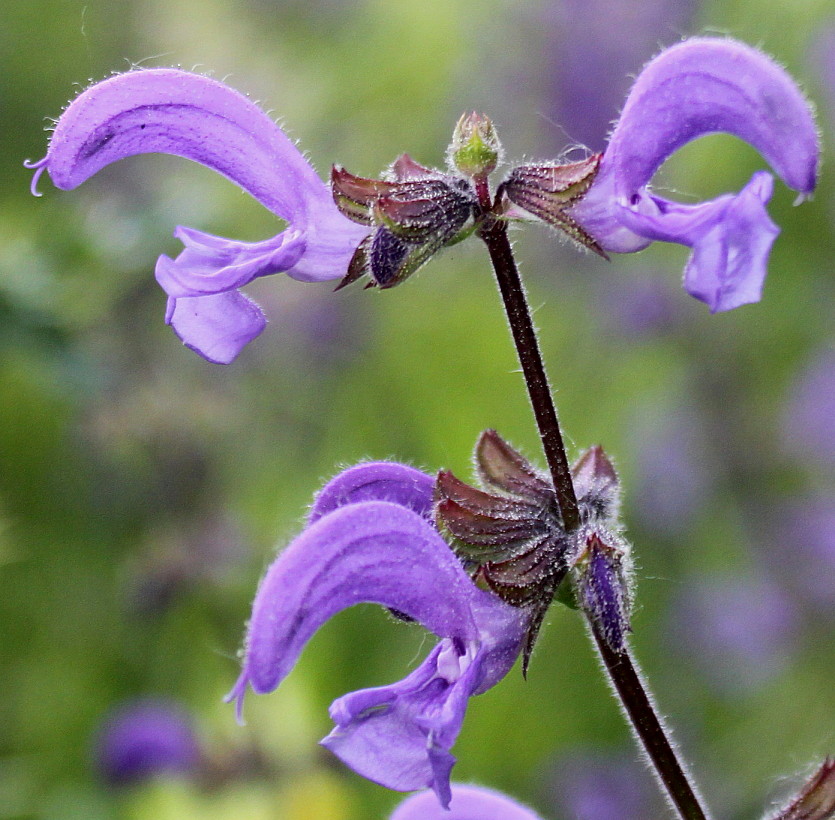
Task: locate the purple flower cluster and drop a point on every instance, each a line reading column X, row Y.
column 698, row 87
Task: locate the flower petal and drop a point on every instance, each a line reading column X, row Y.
column 468, row 803
column 217, row 326
column 707, row 85
column 400, row 735
column 373, row 551
column 165, row 110
column 704, row 86
column 376, row 481
column 731, row 237
column 212, row 264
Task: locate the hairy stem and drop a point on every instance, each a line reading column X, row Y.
column 622, row 671
column 494, row 234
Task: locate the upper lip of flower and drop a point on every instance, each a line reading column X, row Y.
column 369, row 540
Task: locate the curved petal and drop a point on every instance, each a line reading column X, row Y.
column 701, row 86
column 212, row 264
column 400, row 736
column 731, row 237
column 374, row 552
column 217, row 326
column 165, row 110
column 706, row 85
column 468, row 803
column 376, row 481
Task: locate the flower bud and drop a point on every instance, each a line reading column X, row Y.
column 602, row 588
column 475, row 149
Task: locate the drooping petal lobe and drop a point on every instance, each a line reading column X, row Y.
column 400, row 735
column 376, row 481
column 218, row 326
column 468, row 803
column 704, row 86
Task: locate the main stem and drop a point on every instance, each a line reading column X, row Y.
column 622, row 671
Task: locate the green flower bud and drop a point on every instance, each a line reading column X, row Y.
column 475, row 150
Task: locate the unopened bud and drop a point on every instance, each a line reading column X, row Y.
column 602, row 588
column 475, row 150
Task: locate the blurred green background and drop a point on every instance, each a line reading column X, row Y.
column 143, row 491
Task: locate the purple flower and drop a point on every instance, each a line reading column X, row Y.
column 175, row 112
column 809, row 421
column 596, row 784
column 369, row 539
column 593, row 47
column 803, row 549
column 698, row 87
column 468, row 803
column 741, row 629
column 146, row 738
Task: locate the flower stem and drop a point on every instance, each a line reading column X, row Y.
column 494, row 234
column 622, row 671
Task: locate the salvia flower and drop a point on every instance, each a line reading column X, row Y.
column 703, row 86
column 468, row 803
column 370, row 539
column 175, row 112
column 146, row 738
column 510, row 535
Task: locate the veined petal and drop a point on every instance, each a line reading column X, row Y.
column 165, row 110
column 217, row 326
column 468, row 803
column 704, row 86
column 373, row 551
column 376, row 481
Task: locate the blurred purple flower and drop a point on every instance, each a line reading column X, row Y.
column 821, row 54
column 175, row 112
column 672, row 468
column 637, row 306
column 145, row 739
column 804, row 549
column 740, row 629
column 698, row 87
column 369, row 540
column 595, row 47
column 600, row 785
column 468, row 803
column 809, row 421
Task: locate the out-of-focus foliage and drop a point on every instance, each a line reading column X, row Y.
column 142, row 490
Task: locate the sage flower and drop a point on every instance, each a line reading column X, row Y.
column 144, row 739
column 703, row 86
column 370, row 539
column 175, row 112
column 468, row 803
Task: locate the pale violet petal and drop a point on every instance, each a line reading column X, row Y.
column 217, row 326
column 165, row 110
column 211, row 264
column 376, row 481
column 468, row 803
